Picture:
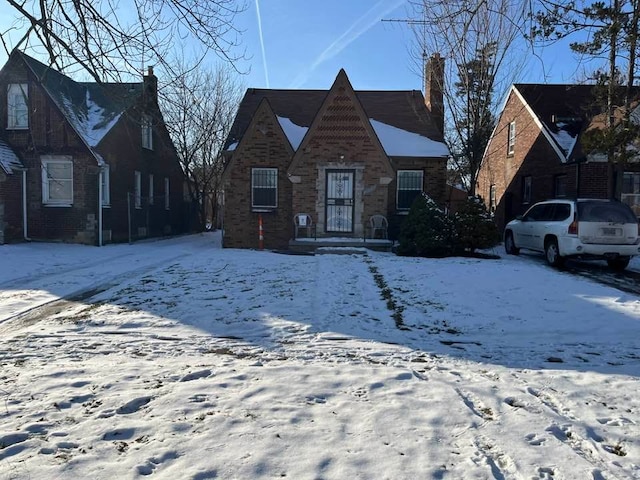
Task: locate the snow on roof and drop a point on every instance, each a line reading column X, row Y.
column 233, row 146
column 565, row 140
column 295, row 133
column 401, row 143
column 8, row 159
column 91, row 122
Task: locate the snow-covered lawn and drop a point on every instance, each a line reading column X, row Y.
column 194, row 362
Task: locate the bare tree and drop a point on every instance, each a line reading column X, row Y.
column 199, row 107
column 110, row 39
column 477, row 39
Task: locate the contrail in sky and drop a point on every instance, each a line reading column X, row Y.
column 264, row 57
column 355, row 31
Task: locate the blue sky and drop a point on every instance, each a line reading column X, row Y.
column 303, row 44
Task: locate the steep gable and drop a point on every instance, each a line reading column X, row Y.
column 91, row 109
column 340, row 119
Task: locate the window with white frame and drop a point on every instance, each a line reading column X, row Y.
column 264, row 187
column 57, row 180
column 151, row 189
column 166, row 193
column 105, row 180
column 511, row 142
column 147, row 132
column 137, row 192
column 409, row 186
column 17, row 106
column 526, row 189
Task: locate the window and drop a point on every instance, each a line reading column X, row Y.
column 106, row 197
column 631, row 191
column 17, row 106
column 137, row 193
column 492, row 198
column 526, row 189
column 264, row 187
column 409, row 187
column 147, row 132
column 560, row 186
column 57, row 180
column 151, row 189
column 511, row 142
column 166, row 193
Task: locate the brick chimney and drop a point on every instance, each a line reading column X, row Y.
column 150, row 86
column 433, row 86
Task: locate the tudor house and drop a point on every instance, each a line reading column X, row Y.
column 84, row 162
column 535, row 153
column 336, row 157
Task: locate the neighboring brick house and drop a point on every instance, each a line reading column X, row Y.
column 340, row 156
column 71, row 153
column 535, row 152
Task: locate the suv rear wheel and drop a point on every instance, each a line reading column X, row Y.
column 509, row 245
column 552, row 253
column 618, row 264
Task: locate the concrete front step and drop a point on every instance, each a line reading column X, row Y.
column 339, row 245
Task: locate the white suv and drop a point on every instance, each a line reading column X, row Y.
column 585, row 228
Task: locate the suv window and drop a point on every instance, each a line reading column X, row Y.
column 561, row 212
column 605, row 212
column 539, row 213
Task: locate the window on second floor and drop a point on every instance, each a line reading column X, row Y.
column 57, row 180
column 137, row 192
column 511, row 138
column 408, row 188
column 526, row 189
column 264, row 187
column 147, row 132
column 17, row 106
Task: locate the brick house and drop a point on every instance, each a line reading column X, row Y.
column 535, row 152
column 338, row 155
column 81, row 162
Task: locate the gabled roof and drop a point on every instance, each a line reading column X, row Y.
column 563, row 112
column 402, row 110
column 91, row 109
column 9, row 161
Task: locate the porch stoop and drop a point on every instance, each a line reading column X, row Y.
column 339, row 245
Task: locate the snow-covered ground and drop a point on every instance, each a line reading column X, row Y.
column 194, row 362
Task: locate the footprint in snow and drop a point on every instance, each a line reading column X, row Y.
column 196, row 375
column 133, row 405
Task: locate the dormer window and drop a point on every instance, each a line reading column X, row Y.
column 17, row 106
column 147, row 132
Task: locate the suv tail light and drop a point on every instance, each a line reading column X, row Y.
column 573, row 227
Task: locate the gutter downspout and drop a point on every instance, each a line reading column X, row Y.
column 100, row 175
column 24, row 206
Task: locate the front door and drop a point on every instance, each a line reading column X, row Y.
column 339, row 203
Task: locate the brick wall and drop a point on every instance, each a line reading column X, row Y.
column 263, row 145
column 341, row 140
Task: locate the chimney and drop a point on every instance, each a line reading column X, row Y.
column 150, row 82
column 433, row 86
